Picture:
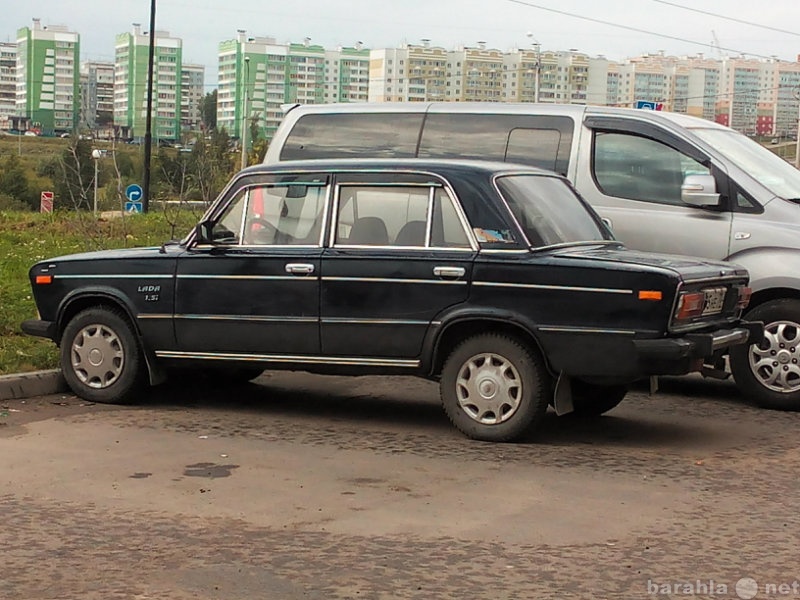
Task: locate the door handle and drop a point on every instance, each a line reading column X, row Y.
column 449, row 272
column 299, row 268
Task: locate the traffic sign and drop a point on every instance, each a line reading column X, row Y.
column 46, row 202
column 644, row 104
column 133, row 207
column 134, row 193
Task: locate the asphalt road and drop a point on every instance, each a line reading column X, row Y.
column 315, row 487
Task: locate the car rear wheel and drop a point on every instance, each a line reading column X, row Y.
column 494, row 388
column 769, row 373
column 100, row 356
column 592, row 400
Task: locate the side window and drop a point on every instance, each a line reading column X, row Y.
column 537, row 147
column 639, row 168
column 273, row 215
column 401, row 215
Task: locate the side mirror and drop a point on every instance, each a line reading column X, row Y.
column 700, row 190
column 202, row 233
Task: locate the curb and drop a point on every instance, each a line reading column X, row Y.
column 35, row 383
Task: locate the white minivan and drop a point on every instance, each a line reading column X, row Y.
column 664, row 182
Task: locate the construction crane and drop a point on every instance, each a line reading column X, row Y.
column 715, row 44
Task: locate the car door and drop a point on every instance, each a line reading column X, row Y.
column 254, row 289
column 399, row 254
column 633, row 179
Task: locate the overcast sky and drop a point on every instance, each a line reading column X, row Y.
column 502, row 24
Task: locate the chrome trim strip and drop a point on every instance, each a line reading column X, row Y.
column 587, row 330
column 393, row 280
column 344, row 320
column 110, row 276
column 567, row 288
column 314, row 360
column 153, row 316
column 249, row 277
column 249, row 318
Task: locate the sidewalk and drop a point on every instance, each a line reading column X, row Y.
column 35, row 383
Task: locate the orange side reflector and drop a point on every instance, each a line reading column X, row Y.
column 44, row 279
column 649, row 295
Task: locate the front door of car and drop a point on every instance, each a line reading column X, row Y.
column 398, row 256
column 253, row 288
column 634, row 182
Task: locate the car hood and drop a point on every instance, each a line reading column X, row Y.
column 688, row 268
column 118, row 254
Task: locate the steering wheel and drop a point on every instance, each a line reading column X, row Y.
column 260, row 231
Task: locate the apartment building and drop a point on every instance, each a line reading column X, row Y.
column 8, row 83
column 97, row 95
column 48, row 77
column 193, row 78
column 131, row 60
column 257, row 76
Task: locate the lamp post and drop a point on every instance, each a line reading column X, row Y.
column 96, row 155
column 538, row 69
column 244, row 110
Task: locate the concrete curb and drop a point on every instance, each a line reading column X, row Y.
column 35, row 383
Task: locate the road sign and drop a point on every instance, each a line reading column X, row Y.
column 644, row 104
column 134, row 192
column 46, row 202
column 133, row 207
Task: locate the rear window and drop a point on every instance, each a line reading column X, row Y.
column 375, row 135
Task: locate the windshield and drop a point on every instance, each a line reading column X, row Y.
column 771, row 171
column 549, row 211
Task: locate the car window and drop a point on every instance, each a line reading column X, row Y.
column 397, row 215
column 639, row 168
column 273, row 215
column 549, row 211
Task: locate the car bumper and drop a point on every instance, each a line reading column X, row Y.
column 39, row 328
column 677, row 356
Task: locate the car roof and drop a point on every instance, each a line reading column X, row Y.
column 443, row 166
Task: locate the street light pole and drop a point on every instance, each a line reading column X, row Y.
column 244, row 110
column 538, row 70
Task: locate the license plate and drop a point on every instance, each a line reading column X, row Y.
column 715, row 300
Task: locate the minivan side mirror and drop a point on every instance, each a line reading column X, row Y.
column 700, row 190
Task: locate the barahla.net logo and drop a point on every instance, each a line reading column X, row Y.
column 745, row 588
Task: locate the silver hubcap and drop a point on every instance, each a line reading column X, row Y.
column 776, row 361
column 489, row 388
column 97, row 356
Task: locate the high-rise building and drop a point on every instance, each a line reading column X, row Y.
column 257, row 75
column 192, row 93
column 130, row 84
column 48, row 77
column 97, row 95
column 8, row 83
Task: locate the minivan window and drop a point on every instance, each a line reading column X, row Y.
column 540, row 141
column 376, row 135
column 639, row 168
column 549, row 211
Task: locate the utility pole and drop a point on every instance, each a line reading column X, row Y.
column 246, row 76
column 148, row 139
column 538, row 69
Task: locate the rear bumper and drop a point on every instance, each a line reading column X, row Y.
column 45, row 329
column 677, row 356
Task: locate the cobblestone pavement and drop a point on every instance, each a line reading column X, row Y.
column 315, row 487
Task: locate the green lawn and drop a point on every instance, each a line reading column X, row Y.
column 26, row 238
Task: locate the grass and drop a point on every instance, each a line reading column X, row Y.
column 26, row 238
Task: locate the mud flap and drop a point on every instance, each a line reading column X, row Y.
column 562, row 397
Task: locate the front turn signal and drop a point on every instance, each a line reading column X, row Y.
column 44, row 279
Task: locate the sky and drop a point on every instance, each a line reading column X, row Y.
column 617, row 29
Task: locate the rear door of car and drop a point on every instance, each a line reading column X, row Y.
column 255, row 289
column 398, row 255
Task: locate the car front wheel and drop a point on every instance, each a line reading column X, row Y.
column 769, row 372
column 494, row 388
column 100, row 356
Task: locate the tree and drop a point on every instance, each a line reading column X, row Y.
column 14, row 181
column 72, row 174
column 208, row 110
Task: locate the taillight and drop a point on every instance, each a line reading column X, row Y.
column 745, row 293
column 690, row 305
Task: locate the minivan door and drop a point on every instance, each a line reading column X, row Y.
column 631, row 173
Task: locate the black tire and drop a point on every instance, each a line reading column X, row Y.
column 590, row 400
column 100, row 357
column 769, row 373
column 515, row 388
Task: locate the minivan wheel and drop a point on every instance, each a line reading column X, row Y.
column 494, row 388
column 769, row 372
column 100, row 356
